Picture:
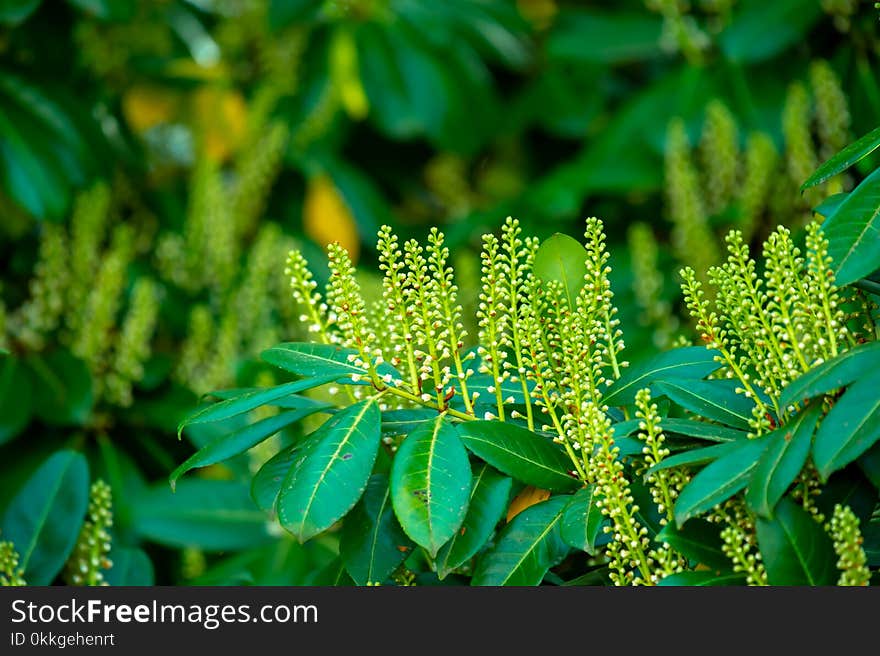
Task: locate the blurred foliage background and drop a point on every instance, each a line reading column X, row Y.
column 158, row 159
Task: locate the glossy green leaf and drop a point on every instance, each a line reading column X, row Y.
column 290, row 402
column 562, row 259
column 848, row 487
column 63, row 385
column 371, row 543
column 702, row 430
column 308, row 359
column 250, row 401
column 795, row 548
column 850, row 428
column 406, row 420
column 214, row 515
column 331, row 472
column 688, row 362
column 828, row 206
column 709, row 399
column 719, row 480
column 431, row 484
column 238, row 441
column 130, row 567
column 692, row 457
column 699, row 541
column 44, row 518
column 15, row 398
column 489, row 497
column 526, row 548
column 786, row 454
column 759, row 30
column 583, row 521
column 266, row 483
column 517, row 452
column 832, row 374
column 854, row 152
column 702, row 578
column 853, row 232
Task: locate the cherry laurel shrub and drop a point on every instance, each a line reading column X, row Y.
column 533, row 453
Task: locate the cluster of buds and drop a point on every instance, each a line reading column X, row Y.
column 844, row 530
column 738, row 545
column 90, row 554
column 11, row 574
column 778, row 325
column 692, row 237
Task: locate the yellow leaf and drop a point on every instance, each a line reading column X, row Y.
column 147, row 106
column 525, row 499
column 220, row 116
column 327, row 218
column 345, row 75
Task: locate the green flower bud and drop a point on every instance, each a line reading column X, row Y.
column 133, row 346
column 90, row 554
column 848, row 541
column 719, row 155
column 10, row 572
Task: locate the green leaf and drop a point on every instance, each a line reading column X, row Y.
column 517, row 452
column 63, row 385
column 250, row 401
column 308, row 359
column 760, row 30
column 710, row 399
column 266, row 483
column 699, row 541
column 14, row 12
column 720, row 480
column 526, row 548
column 618, row 37
column 829, row 206
column 853, row 232
column 239, row 441
column 702, row 578
column 371, row 543
column 869, row 462
column 702, row 430
column 687, row 362
column 15, row 398
column 850, row 428
column 490, row 495
column 694, row 456
column 583, row 521
column 795, row 548
column 214, row 515
column 848, row 487
column 562, row 259
column 406, row 420
column 331, row 472
column 44, row 518
column 832, row 374
column 787, row 450
column 431, row 483
column 854, row 152
column 130, row 567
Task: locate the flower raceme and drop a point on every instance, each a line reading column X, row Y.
column 540, row 393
